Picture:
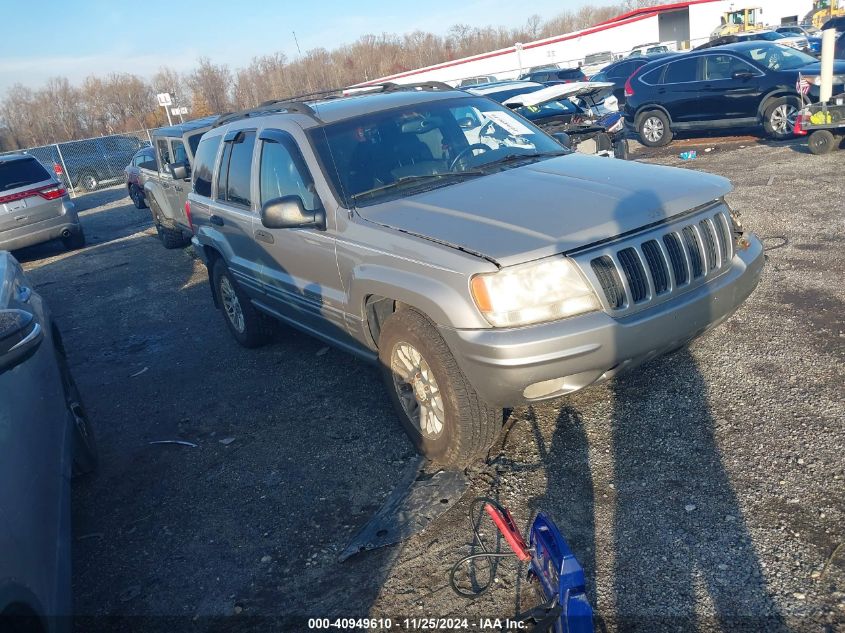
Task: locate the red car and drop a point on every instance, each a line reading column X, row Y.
column 143, row 159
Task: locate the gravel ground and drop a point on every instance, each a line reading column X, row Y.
column 704, row 491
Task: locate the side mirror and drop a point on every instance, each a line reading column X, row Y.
column 563, row 139
column 179, row 171
column 742, row 74
column 288, row 212
column 20, row 336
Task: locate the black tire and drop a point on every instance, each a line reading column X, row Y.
column 469, row 426
column 88, row 181
column 137, row 197
column 253, row 328
column 84, row 450
column 171, row 238
column 821, row 142
column 775, row 111
column 621, row 149
column 74, row 241
column 654, row 129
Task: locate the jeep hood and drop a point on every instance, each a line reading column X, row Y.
column 548, row 207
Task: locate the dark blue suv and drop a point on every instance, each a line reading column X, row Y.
column 737, row 85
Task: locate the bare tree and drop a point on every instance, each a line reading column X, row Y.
column 211, row 84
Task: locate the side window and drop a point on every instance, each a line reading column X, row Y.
column 284, row 173
column 682, row 71
column 223, row 172
column 163, row 153
column 204, row 165
column 240, row 170
column 724, row 66
column 179, row 153
column 622, row 71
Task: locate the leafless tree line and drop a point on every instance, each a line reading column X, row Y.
column 122, row 102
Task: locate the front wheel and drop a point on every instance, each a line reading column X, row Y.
column 84, row 447
column 653, row 128
column 88, row 182
column 779, row 117
column 440, row 411
column 137, row 197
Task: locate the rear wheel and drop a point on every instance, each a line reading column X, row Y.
column 779, row 117
column 74, row 241
column 653, row 128
column 249, row 326
column 440, row 411
column 171, row 238
column 821, row 142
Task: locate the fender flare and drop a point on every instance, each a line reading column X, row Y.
column 426, row 294
column 154, row 193
column 648, row 108
column 776, row 93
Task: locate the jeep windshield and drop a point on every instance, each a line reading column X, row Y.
column 424, row 146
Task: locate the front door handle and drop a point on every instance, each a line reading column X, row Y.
column 216, row 219
column 264, row 236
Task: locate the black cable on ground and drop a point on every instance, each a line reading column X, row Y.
column 485, row 553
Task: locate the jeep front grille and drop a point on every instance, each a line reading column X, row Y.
column 639, row 271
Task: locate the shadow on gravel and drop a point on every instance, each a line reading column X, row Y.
column 676, row 508
column 682, row 556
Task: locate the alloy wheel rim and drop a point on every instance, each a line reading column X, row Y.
column 653, row 129
column 89, row 182
column 417, row 390
column 783, row 119
column 231, row 304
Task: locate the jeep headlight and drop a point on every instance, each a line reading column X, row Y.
column 541, row 291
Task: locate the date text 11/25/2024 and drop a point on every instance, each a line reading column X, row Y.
column 417, row 624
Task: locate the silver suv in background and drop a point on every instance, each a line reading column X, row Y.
column 480, row 268
column 34, row 206
column 167, row 179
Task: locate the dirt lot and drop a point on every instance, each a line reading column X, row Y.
column 705, row 491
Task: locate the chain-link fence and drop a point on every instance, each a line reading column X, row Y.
column 91, row 163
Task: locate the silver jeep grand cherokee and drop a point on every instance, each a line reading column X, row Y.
column 464, row 250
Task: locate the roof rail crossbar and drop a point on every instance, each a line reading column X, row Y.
column 268, row 107
column 422, row 85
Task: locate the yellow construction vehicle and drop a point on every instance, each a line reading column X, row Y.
column 740, row 21
column 823, row 10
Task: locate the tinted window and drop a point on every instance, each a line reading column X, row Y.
column 283, row 173
column 19, row 173
column 621, row 71
column 240, row 168
column 204, row 165
column 723, row 67
column 179, row 154
column 163, row 152
column 223, row 172
column 572, row 73
column 683, row 70
column 194, row 141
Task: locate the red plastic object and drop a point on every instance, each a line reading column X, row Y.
column 504, row 521
column 188, row 215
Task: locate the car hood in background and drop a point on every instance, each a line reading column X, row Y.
column 557, row 92
column 552, row 206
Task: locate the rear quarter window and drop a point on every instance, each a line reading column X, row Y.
column 204, row 158
column 20, row 173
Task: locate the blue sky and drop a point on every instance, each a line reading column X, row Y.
column 75, row 39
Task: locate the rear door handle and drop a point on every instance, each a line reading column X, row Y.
column 178, row 188
column 216, row 219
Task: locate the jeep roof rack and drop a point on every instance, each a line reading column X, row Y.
column 297, row 104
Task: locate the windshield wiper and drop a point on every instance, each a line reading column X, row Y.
column 510, row 158
column 459, row 175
